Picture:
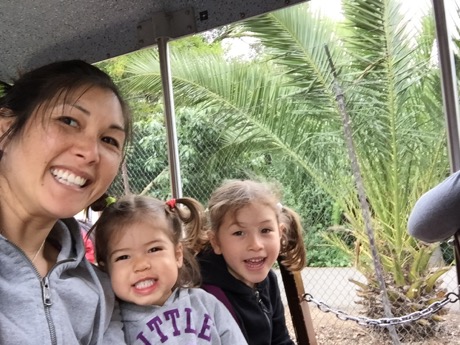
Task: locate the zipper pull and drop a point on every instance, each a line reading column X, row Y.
column 261, row 303
column 46, row 292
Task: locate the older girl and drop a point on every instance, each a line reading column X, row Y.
column 249, row 230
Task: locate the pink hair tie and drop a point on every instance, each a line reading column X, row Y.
column 171, row 203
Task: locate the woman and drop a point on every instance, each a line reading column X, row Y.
column 63, row 129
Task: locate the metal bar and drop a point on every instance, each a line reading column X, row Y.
column 457, row 257
column 450, row 98
column 298, row 307
column 168, row 100
column 448, row 83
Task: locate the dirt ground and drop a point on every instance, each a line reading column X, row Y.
column 332, row 331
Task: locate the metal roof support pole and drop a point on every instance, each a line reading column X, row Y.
column 448, row 82
column 160, row 29
column 450, row 99
column 168, row 100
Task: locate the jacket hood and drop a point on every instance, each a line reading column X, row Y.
column 66, row 237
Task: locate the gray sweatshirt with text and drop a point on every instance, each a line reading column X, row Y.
column 188, row 317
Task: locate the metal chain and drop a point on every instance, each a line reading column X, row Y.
column 451, row 297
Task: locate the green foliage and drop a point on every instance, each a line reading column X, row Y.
column 322, row 254
column 281, row 113
column 278, row 117
column 197, row 45
column 196, row 130
column 447, row 251
column 199, row 138
column 3, row 85
column 146, row 159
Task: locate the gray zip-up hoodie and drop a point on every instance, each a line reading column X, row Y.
column 188, row 317
column 72, row 304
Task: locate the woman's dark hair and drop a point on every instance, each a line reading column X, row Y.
column 39, row 87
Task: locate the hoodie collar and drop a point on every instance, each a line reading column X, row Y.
column 66, row 237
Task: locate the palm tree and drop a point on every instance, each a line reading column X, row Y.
column 396, row 116
column 395, row 113
column 282, row 105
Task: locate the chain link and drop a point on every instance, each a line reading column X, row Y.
column 433, row 308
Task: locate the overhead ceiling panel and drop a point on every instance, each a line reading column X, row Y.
column 37, row 32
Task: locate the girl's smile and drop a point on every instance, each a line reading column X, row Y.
column 145, row 286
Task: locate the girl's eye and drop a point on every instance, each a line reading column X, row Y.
column 266, row 230
column 238, row 233
column 111, row 141
column 121, row 257
column 154, row 249
column 69, row 121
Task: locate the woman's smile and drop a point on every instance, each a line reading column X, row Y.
column 68, row 178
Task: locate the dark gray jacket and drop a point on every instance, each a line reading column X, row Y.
column 259, row 311
column 436, row 215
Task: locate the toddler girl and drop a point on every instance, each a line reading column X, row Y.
column 139, row 242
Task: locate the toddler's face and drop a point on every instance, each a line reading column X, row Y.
column 143, row 263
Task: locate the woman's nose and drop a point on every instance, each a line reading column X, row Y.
column 87, row 148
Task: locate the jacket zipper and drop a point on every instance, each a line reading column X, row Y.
column 47, row 304
column 46, row 291
column 263, row 307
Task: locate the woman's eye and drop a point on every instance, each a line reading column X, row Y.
column 121, row 257
column 111, row 141
column 69, row 121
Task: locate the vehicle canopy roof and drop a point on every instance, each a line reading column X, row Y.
column 34, row 33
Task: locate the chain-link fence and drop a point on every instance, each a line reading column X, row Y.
column 342, row 316
column 304, row 126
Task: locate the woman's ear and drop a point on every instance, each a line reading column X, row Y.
column 215, row 243
column 6, row 120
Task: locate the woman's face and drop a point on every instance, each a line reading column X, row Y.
column 66, row 157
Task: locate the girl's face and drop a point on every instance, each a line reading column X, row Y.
column 249, row 241
column 143, row 263
column 63, row 162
